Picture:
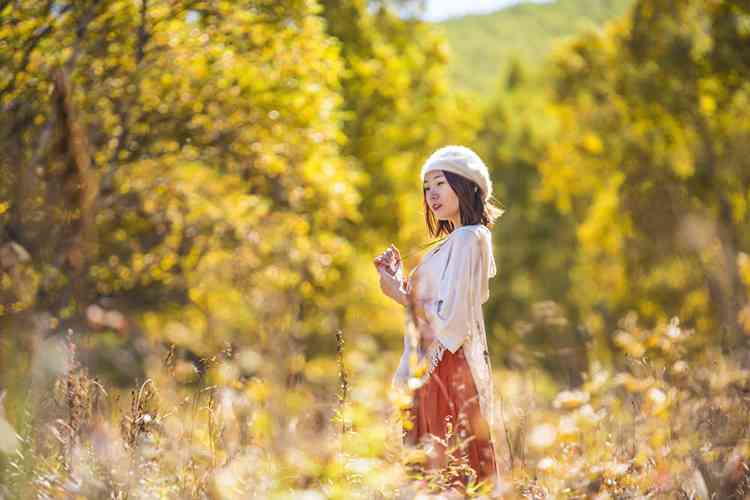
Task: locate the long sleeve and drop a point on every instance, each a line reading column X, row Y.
column 402, row 372
column 463, row 287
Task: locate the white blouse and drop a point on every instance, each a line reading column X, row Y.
column 448, row 288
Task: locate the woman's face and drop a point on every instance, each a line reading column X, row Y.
column 440, row 197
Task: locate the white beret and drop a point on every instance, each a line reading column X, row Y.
column 462, row 161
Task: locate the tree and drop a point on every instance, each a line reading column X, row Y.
column 178, row 162
column 652, row 162
column 399, row 109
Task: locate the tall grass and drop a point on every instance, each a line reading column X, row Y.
column 669, row 422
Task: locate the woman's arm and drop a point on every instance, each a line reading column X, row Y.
column 393, row 287
column 390, row 269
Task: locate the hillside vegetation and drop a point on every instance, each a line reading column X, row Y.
column 483, row 46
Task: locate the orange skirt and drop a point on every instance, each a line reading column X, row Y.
column 449, row 399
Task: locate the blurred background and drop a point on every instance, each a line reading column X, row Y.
column 192, row 193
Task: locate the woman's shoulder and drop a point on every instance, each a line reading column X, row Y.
column 473, row 228
column 471, row 232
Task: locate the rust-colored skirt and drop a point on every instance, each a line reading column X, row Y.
column 450, row 397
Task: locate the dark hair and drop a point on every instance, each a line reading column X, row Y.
column 471, row 206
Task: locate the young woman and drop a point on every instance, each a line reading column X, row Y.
column 443, row 296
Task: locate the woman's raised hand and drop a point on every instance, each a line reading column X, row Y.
column 390, row 260
column 390, row 269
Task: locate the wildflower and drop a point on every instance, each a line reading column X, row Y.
column 629, row 344
column 567, row 428
column 545, row 464
column 542, row 436
column 569, row 400
column 655, row 401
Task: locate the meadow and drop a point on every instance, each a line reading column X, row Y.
column 192, row 193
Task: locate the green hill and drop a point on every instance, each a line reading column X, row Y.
column 482, row 46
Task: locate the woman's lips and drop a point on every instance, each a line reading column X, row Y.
column 435, row 207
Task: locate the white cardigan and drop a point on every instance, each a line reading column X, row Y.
column 448, row 288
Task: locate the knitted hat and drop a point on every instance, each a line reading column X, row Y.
column 462, row 161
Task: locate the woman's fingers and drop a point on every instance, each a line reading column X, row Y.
column 381, row 257
column 395, row 250
column 384, row 281
column 386, row 278
column 391, row 256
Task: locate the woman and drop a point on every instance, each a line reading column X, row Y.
column 443, row 295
